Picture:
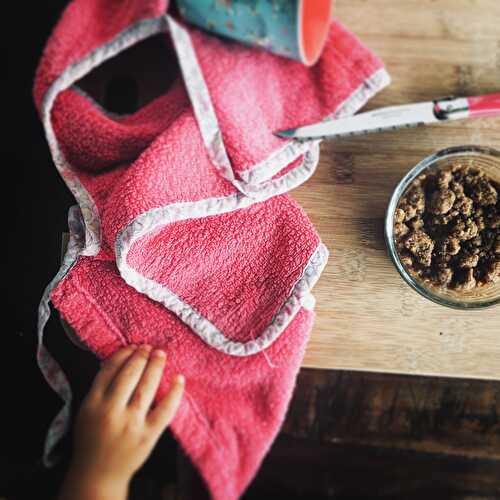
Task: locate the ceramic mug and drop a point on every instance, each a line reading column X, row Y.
column 291, row 28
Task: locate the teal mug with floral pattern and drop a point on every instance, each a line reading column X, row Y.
column 290, row 28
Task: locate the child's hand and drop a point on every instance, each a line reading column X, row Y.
column 116, row 429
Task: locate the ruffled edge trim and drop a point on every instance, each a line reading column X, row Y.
column 147, row 222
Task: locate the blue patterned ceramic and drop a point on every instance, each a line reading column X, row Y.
column 275, row 25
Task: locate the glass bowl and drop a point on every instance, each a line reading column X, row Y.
column 482, row 158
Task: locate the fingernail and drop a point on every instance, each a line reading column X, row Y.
column 159, row 353
column 180, row 379
column 146, row 347
column 132, row 346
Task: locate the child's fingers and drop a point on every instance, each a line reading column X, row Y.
column 146, row 389
column 109, row 369
column 126, row 381
column 162, row 415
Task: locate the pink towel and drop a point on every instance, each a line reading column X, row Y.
column 184, row 237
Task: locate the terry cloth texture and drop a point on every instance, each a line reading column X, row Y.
column 183, row 236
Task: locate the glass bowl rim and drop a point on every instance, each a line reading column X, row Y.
column 389, row 224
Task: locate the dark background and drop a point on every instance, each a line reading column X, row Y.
column 38, row 201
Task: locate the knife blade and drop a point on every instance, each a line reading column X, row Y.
column 396, row 117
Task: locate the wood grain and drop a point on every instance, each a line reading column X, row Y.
column 297, row 470
column 373, row 435
column 450, row 417
column 367, row 317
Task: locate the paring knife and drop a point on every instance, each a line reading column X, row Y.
column 395, row 117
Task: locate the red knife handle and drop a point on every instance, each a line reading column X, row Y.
column 484, row 105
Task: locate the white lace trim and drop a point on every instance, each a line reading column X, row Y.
column 132, row 35
column 49, row 367
column 252, row 179
column 206, row 330
column 282, row 157
column 212, row 135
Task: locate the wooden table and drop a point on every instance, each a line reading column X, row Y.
column 367, row 317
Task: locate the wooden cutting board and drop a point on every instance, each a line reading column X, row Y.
column 367, row 317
